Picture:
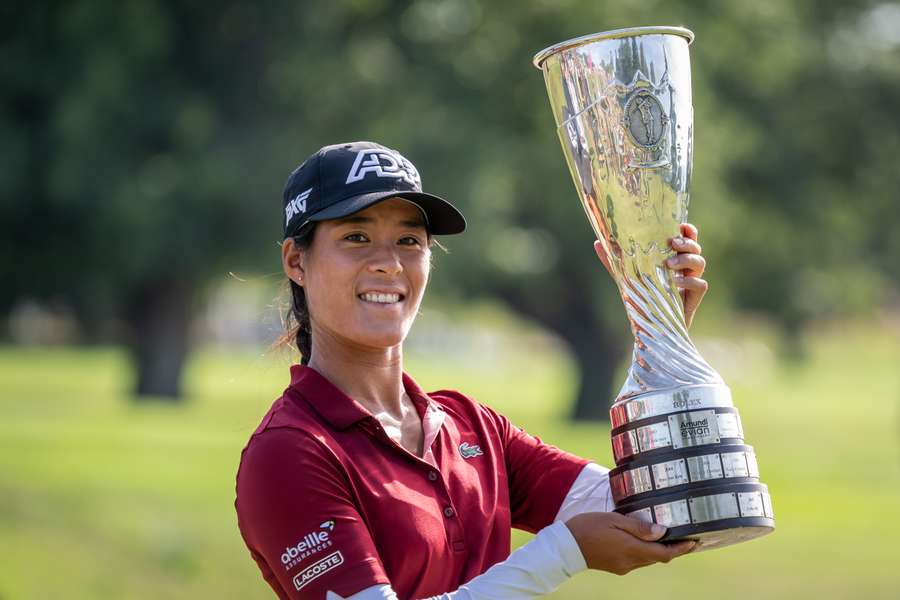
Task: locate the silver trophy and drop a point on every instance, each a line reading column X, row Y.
column 622, row 104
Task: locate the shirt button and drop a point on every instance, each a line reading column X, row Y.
column 432, row 476
column 448, row 512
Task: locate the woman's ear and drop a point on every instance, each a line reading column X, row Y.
column 292, row 260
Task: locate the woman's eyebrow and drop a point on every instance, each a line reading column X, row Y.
column 367, row 220
column 353, row 219
column 413, row 223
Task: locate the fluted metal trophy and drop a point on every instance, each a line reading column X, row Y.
column 622, row 104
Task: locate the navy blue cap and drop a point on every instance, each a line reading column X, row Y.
column 342, row 179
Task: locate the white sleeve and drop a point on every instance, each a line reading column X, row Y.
column 590, row 492
column 536, row 568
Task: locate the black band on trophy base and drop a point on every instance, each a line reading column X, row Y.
column 675, row 431
column 681, row 469
column 715, row 516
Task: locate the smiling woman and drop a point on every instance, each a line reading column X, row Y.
column 364, row 275
column 358, row 483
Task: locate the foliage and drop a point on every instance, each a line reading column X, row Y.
column 146, row 143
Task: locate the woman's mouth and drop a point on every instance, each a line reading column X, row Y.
column 380, row 298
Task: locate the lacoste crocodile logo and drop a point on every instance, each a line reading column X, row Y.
column 469, row 451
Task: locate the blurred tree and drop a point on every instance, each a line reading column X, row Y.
column 146, row 143
column 808, row 94
column 128, row 132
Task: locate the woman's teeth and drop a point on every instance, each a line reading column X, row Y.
column 381, row 298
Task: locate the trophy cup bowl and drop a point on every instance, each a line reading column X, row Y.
column 622, row 105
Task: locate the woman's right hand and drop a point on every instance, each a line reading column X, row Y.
column 619, row 544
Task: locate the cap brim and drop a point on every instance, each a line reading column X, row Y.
column 441, row 217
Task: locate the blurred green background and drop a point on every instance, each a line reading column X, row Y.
column 145, row 144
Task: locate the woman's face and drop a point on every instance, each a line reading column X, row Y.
column 364, row 275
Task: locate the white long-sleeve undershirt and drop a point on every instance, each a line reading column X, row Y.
column 536, row 568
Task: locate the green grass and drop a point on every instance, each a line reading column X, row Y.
column 104, row 498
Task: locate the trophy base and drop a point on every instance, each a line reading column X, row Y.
column 715, row 516
column 710, row 536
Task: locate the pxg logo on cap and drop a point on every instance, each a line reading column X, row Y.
column 296, row 206
column 342, row 179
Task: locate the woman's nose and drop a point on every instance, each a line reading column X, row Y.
column 385, row 259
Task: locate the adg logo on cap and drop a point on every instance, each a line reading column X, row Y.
column 382, row 162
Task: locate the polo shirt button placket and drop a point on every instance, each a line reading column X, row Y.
column 449, row 512
column 432, row 476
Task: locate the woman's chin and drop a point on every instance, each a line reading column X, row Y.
column 381, row 340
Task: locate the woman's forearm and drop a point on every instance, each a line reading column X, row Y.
column 538, row 567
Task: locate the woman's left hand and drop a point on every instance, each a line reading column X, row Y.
column 688, row 266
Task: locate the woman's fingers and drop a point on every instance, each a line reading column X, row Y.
column 686, row 244
column 691, row 264
column 654, row 553
column 688, row 230
column 690, row 283
column 618, row 544
column 639, row 529
column 681, row 548
column 635, row 552
column 692, row 291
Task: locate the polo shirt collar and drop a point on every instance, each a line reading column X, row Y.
column 337, row 408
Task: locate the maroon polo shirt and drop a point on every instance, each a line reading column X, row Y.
column 327, row 501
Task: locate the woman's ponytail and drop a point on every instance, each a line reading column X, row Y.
column 296, row 318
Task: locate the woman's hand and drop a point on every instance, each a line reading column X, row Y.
column 619, row 544
column 688, row 266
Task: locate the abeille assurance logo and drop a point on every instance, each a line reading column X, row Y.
column 311, row 543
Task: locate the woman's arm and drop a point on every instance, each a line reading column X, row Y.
column 611, row 542
column 590, row 492
column 538, row 567
column 535, row 569
column 605, row 541
column 288, row 491
column 299, row 521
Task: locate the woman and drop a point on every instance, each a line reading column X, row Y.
column 357, row 484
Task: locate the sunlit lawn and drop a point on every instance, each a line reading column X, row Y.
column 103, row 498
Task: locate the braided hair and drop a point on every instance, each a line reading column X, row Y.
column 296, row 317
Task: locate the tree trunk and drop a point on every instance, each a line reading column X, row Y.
column 598, row 357
column 159, row 316
column 598, row 347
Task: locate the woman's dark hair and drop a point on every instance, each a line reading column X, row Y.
column 296, row 317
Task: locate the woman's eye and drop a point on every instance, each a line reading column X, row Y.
column 409, row 241
column 355, row 237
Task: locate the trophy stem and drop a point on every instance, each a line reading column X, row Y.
column 664, row 356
